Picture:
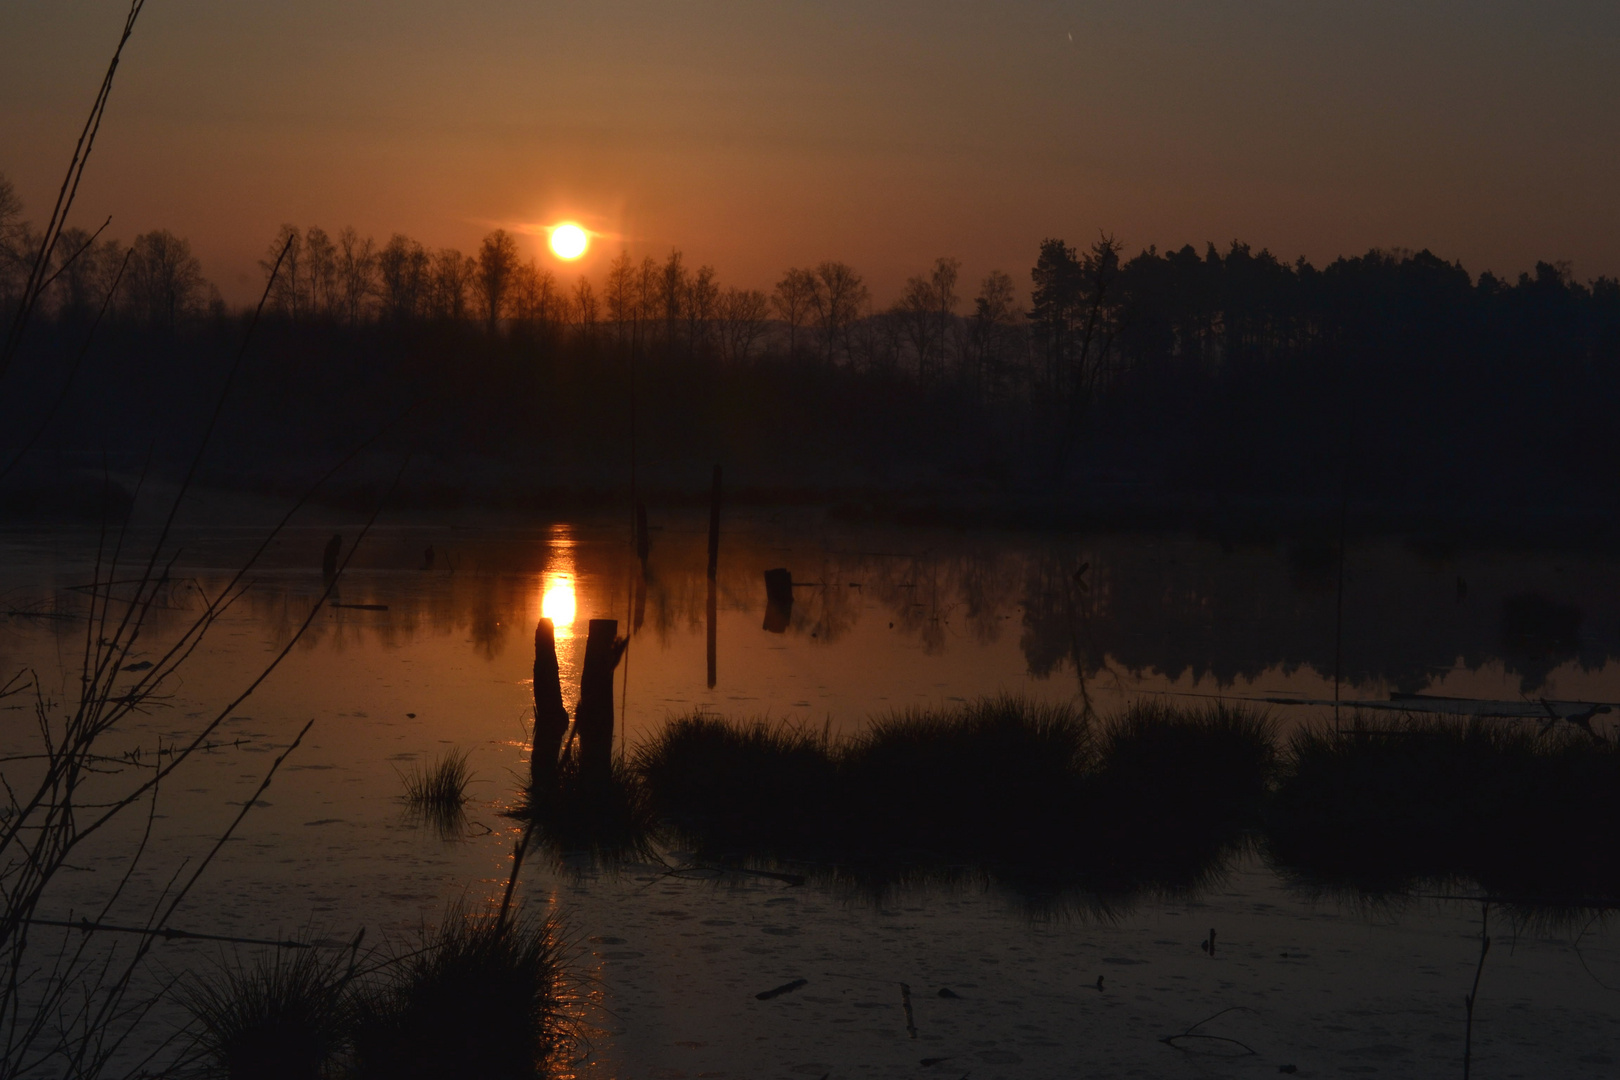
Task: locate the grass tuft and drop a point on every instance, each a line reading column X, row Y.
column 740, row 788
column 276, row 1016
column 591, row 818
column 436, row 791
column 481, row 999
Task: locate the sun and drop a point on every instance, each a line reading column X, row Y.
column 569, row 241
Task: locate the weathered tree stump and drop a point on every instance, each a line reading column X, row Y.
column 778, row 600
column 593, row 719
column 329, row 559
column 550, row 715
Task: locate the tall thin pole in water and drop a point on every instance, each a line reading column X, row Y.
column 714, row 568
column 1338, row 610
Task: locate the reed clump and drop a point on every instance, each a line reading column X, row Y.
column 436, row 791
column 481, row 999
column 1030, row 794
column 1387, row 806
column 741, row 788
column 1168, row 794
column 440, row 783
column 1000, row 780
column 578, row 813
column 278, row 1016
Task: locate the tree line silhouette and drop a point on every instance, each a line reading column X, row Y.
column 1216, row 375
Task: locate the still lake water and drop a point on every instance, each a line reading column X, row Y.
column 436, row 653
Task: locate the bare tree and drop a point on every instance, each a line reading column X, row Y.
column 1075, row 313
column 877, row 339
column 450, row 281
column 287, row 285
column 15, row 248
column 793, row 301
column 742, row 323
column 648, row 307
column 836, row 302
column 403, row 268
column 497, row 263
column 619, row 294
column 356, row 273
column 166, row 280
column 534, row 297
column 78, row 272
column 992, row 333
column 672, row 288
column 320, row 272
column 585, row 310
column 927, row 310
column 702, row 305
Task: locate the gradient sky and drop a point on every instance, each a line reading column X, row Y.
column 755, row 134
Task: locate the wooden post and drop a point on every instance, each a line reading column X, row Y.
column 713, row 605
column 714, row 526
column 643, row 540
column 593, row 719
column 714, row 567
column 550, row 715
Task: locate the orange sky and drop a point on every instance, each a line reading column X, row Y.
column 755, row 134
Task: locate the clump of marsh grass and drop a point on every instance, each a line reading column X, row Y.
column 1173, row 791
column 1032, row 795
column 481, row 999
column 996, row 780
column 436, row 791
column 277, row 1016
column 1385, row 806
column 740, row 788
column 576, row 814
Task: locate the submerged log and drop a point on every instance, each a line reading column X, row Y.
column 593, row 719
column 550, row 715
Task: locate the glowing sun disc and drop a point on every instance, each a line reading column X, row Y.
column 569, row 241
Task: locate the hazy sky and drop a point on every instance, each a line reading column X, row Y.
column 755, row 134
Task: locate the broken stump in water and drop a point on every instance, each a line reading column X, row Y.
column 329, row 559
column 550, row 715
column 778, row 600
column 593, row 719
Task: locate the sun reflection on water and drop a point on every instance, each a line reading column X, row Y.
column 557, row 603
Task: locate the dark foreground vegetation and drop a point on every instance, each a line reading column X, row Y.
column 481, row 997
column 1164, row 382
column 1045, row 802
column 1525, row 815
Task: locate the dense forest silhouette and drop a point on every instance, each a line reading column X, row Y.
column 1181, row 379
